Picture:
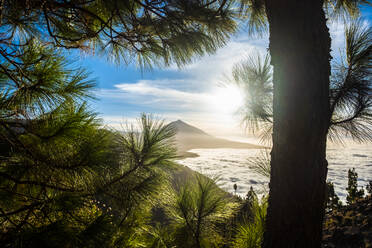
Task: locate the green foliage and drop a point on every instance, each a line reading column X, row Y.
column 160, row 237
column 250, row 232
column 254, row 76
column 149, row 32
column 350, row 89
column 369, row 188
column 254, row 12
column 201, row 208
column 351, row 86
column 344, row 8
column 138, row 177
column 123, row 173
column 65, row 182
column 261, row 163
column 352, row 187
column 39, row 80
column 51, row 146
column 332, row 200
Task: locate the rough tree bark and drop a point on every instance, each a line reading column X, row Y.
column 300, row 55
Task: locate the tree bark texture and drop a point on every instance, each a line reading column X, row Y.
column 300, row 54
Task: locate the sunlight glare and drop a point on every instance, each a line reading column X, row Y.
column 226, row 100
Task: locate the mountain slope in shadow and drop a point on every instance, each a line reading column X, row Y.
column 189, row 137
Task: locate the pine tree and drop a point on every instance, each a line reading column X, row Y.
column 332, row 200
column 353, row 193
column 250, row 231
column 63, row 177
column 349, row 92
column 50, row 150
column 173, row 31
column 369, row 188
column 201, row 209
column 300, row 111
column 65, row 181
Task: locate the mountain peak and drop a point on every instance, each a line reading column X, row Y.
column 189, row 137
column 182, row 127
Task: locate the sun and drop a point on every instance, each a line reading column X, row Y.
column 226, row 99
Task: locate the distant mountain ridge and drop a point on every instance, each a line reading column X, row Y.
column 183, row 127
column 189, row 137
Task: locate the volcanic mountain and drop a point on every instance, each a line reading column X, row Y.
column 189, row 137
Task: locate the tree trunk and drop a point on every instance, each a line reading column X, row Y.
column 300, row 55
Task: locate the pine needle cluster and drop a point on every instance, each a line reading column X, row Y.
column 350, row 89
column 144, row 32
column 65, row 181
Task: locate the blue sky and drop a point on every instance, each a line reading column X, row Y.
column 192, row 93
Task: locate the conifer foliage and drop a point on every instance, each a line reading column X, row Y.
column 350, row 89
column 201, row 209
column 50, row 151
column 64, row 180
column 145, row 32
column 353, row 193
column 332, row 200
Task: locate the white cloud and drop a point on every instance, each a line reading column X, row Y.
column 192, row 96
column 152, row 93
column 212, row 110
column 150, row 88
column 209, row 69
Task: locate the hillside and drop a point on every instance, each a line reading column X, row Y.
column 189, row 137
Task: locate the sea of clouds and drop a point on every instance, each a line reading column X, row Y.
column 232, row 166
